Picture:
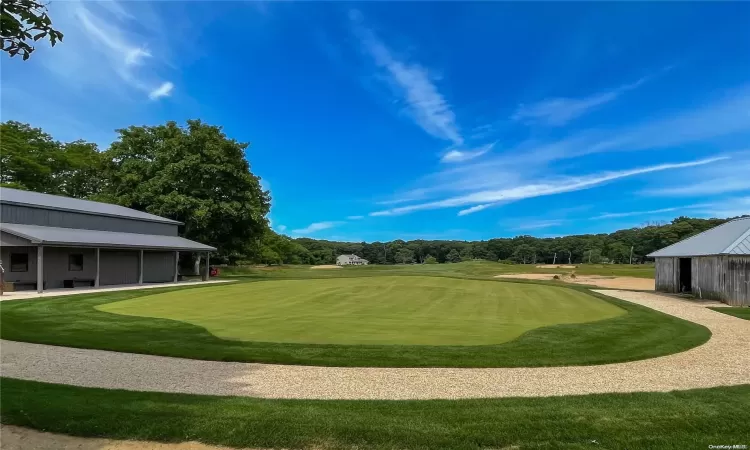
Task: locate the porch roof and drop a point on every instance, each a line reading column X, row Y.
column 76, row 237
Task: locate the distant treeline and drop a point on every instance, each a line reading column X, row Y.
column 595, row 248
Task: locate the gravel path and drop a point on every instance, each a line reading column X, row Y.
column 723, row 360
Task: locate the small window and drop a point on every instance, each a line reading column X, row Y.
column 75, row 262
column 19, row 262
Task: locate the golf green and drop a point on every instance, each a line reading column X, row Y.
column 372, row 310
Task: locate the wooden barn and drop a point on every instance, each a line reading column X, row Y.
column 714, row 264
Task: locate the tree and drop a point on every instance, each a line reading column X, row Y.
column 405, row 256
column 32, row 160
column 523, row 253
column 453, row 256
column 195, row 175
column 430, row 260
column 23, row 22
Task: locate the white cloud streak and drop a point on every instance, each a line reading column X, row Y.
column 454, row 155
column 162, row 91
column 413, row 85
column 644, row 213
column 317, row 226
column 559, row 111
column 355, row 217
column 536, row 225
column 569, row 184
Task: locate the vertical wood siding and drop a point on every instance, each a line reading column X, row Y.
column 707, row 279
column 667, row 274
column 737, row 285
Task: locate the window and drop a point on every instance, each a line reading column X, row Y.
column 75, row 262
column 19, row 262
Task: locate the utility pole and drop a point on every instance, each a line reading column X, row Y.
column 631, row 254
column 554, row 260
column 385, row 255
column 570, row 257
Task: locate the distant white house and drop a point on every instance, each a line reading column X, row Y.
column 351, row 260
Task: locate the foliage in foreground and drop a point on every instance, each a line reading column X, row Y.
column 24, row 22
column 675, row 420
column 73, row 322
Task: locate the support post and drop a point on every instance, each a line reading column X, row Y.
column 40, row 269
column 206, row 270
column 96, row 279
column 176, row 266
column 140, row 266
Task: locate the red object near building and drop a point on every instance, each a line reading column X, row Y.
column 213, row 272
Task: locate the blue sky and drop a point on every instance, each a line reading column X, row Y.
column 377, row 121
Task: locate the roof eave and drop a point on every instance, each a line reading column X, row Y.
column 92, row 213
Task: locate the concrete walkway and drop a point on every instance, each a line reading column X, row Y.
column 30, row 294
column 724, row 360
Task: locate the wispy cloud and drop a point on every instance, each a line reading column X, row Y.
column 105, row 44
column 538, row 224
column 727, row 177
column 355, row 217
column 645, row 213
column 281, row 228
column 162, row 91
column 562, row 185
column 559, row 111
column 317, row 226
column 412, row 84
column 455, row 155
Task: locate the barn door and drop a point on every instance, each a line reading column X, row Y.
column 685, row 274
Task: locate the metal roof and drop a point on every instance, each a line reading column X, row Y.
column 57, row 202
column 730, row 238
column 37, row 234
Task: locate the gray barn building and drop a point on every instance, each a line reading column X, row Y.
column 48, row 242
column 714, row 264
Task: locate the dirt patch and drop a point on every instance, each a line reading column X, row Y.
column 632, row 283
column 555, row 266
column 326, row 266
column 18, row 438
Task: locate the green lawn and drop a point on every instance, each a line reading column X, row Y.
column 742, row 313
column 467, row 269
column 76, row 322
column 676, row 420
column 372, row 310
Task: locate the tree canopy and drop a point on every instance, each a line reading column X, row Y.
column 23, row 22
column 195, row 175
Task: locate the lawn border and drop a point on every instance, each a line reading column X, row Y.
column 532, row 349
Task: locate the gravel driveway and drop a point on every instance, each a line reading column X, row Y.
column 723, row 360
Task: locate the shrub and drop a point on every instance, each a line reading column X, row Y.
column 505, row 261
column 430, row 260
column 556, row 277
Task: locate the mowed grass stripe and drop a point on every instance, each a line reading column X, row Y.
column 382, row 310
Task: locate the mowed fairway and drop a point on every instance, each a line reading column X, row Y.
column 372, row 310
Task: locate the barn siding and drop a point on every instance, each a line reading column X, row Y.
column 68, row 219
column 158, row 267
column 707, row 280
column 737, row 284
column 667, row 274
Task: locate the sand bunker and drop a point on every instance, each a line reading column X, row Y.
column 555, row 266
column 633, row 283
column 326, row 266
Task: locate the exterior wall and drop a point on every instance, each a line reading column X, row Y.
column 67, row 219
column 29, row 275
column 56, row 265
column 737, row 284
column 668, row 274
column 707, row 278
column 118, row 267
column 723, row 278
column 158, row 267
